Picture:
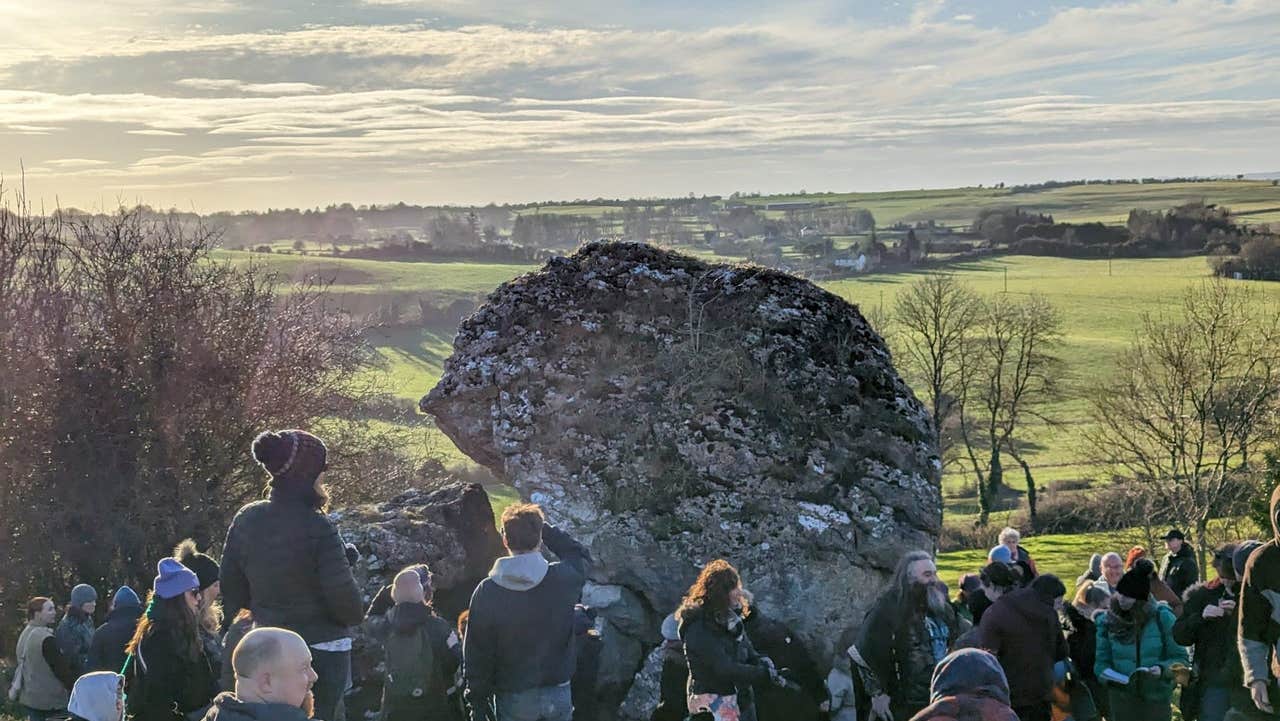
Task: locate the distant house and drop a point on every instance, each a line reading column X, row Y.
column 809, row 232
column 858, row 264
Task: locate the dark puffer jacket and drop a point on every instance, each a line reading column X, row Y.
column 721, row 661
column 285, row 562
column 1180, row 570
column 1082, row 641
column 1022, row 631
column 106, row 650
column 229, row 708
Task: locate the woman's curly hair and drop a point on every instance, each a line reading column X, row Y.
column 716, row 582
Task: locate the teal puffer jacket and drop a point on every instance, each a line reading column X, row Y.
column 1156, row 648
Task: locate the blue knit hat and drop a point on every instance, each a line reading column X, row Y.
column 125, row 597
column 1000, row 554
column 175, row 579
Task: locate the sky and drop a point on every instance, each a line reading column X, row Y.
column 213, row 105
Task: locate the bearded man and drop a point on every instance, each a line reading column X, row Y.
column 911, row 627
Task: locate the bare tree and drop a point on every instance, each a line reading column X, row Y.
column 1189, row 399
column 1009, row 374
column 135, row 370
column 933, row 321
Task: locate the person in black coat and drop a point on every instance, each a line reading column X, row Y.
column 1082, row 638
column 285, row 561
column 106, row 650
column 672, row 705
column 1208, row 623
column 798, row 701
column 520, row 643
column 167, row 674
column 723, row 665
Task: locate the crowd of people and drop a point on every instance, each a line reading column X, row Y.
column 266, row 634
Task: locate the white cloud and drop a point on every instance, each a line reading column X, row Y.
column 229, row 85
column 928, row 98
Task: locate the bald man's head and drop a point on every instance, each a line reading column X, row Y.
column 273, row 665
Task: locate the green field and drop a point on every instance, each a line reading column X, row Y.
column 1076, row 203
column 1257, row 201
column 377, row 277
column 1102, row 305
column 1102, row 302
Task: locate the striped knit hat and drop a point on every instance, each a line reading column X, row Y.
column 295, row 459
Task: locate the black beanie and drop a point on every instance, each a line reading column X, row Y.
column 1136, row 583
column 205, row 568
column 295, row 459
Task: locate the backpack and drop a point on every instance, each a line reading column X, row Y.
column 411, row 664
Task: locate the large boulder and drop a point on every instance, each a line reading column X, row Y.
column 449, row 527
column 668, row 411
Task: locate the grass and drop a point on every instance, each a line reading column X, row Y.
column 1067, row 556
column 1074, row 203
column 1102, row 303
column 1102, row 306
column 375, row 277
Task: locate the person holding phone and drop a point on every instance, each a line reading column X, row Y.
column 1208, row 623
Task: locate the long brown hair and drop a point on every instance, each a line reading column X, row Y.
column 173, row 617
column 717, row 580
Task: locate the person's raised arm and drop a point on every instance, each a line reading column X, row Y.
column 570, row 553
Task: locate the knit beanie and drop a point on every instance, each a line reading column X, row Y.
column 1048, row 587
column 1241, row 556
column 1136, row 583
column 206, row 569
column 82, row 594
column 125, row 597
column 294, row 458
column 174, row 579
column 94, row 696
column 1000, row 554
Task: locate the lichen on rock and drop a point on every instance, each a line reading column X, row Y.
column 668, row 411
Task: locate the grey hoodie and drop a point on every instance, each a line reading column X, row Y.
column 521, row 572
column 96, row 695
